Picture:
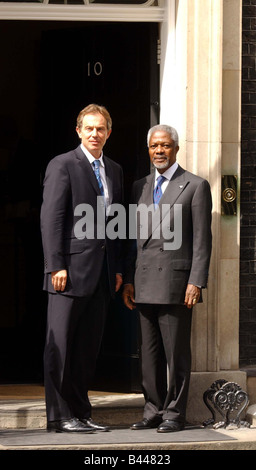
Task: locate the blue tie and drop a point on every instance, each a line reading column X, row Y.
column 96, row 165
column 157, row 194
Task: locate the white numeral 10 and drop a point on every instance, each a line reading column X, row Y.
column 95, row 69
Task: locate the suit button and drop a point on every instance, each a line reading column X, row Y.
column 159, row 269
column 161, row 249
column 102, row 247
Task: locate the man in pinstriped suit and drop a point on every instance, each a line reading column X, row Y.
column 164, row 281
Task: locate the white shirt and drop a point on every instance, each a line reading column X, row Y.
column 168, row 174
column 102, row 172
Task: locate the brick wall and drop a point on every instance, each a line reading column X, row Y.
column 248, row 189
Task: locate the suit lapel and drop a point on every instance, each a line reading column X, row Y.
column 147, row 199
column 175, row 187
column 147, row 191
column 87, row 168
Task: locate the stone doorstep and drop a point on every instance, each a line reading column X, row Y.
column 34, row 417
column 36, row 420
column 122, row 409
column 17, row 414
column 31, row 414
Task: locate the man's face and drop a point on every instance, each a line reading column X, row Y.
column 162, row 151
column 94, row 133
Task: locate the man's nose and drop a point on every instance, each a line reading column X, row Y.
column 94, row 132
column 159, row 149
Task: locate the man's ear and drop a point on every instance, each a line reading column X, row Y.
column 109, row 132
column 78, row 132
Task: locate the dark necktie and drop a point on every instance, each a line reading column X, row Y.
column 157, row 194
column 96, row 165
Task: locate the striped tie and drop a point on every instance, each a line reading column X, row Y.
column 157, row 194
column 96, row 165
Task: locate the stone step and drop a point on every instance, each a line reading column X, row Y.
column 23, row 423
column 110, row 409
column 23, row 405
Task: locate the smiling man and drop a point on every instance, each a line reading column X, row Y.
column 165, row 284
column 80, row 275
column 93, row 130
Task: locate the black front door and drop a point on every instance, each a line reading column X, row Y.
column 110, row 64
column 72, row 65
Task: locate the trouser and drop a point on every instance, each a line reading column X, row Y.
column 74, row 333
column 165, row 359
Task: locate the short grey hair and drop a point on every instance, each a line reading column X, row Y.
column 163, row 127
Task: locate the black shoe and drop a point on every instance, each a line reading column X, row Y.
column 147, row 423
column 94, row 426
column 170, row 426
column 68, row 425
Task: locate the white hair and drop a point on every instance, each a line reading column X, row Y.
column 163, row 127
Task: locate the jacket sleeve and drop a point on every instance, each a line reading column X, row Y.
column 53, row 212
column 202, row 235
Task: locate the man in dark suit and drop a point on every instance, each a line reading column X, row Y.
column 164, row 277
column 82, row 269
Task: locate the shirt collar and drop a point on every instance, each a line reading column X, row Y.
column 168, row 174
column 90, row 157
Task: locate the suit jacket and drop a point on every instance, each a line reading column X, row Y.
column 70, row 181
column 161, row 275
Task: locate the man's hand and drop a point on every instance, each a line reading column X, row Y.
column 192, row 295
column 128, row 296
column 59, row 280
column 119, row 281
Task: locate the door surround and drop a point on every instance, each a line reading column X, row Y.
column 65, row 12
